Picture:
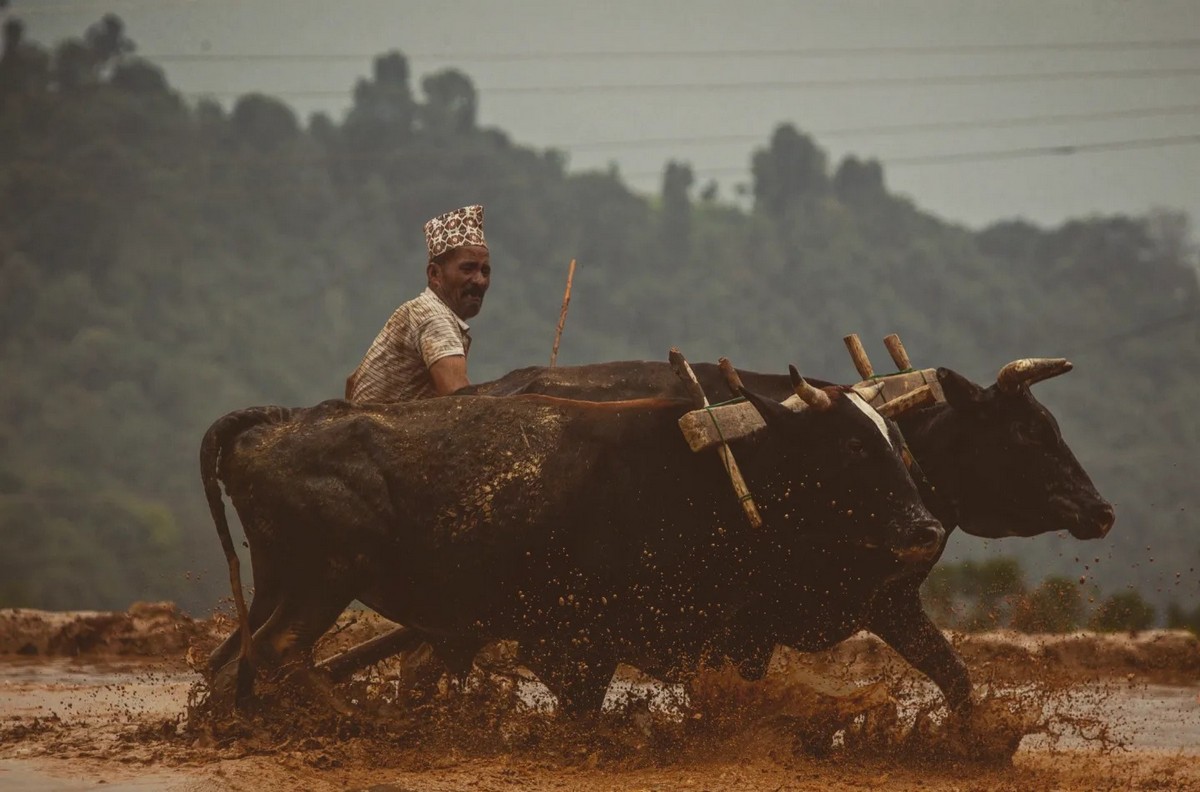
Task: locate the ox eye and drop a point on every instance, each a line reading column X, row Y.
column 856, row 446
column 1036, row 432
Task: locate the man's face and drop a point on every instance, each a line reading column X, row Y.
column 462, row 278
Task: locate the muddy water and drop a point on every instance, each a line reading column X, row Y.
column 66, row 725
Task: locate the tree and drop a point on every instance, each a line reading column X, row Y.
column 450, row 103
column 107, row 40
column 790, row 169
column 384, row 112
column 974, row 595
column 857, row 181
column 140, row 77
column 677, row 208
column 1055, row 606
column 1123, row 611
column 1180, row 619
column 263, row 122
column 80, row 63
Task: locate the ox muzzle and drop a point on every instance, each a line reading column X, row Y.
column 912, row 537
column 1092, row 520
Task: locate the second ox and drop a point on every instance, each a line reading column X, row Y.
column 994, row 455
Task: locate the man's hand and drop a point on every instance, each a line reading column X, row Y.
column 449, row 374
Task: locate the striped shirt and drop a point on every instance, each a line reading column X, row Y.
column 419, row 333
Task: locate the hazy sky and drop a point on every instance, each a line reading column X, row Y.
column 952, row 96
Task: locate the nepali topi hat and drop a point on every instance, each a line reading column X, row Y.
column 455, row 229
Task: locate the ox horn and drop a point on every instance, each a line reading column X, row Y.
column 732, row 379
column 814, row 397
column 1027, row 371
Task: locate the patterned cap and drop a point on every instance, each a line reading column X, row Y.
column 455, row 229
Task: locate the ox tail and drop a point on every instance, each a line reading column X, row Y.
column 213, row 448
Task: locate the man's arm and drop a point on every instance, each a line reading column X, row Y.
column 449, row 374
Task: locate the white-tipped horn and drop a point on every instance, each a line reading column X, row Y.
column 732, row 379
column 1027, row 371
column 814, row 397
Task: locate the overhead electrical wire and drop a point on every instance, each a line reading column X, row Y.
column 467, row 56
column 1066, row 149
column 892, row 129
column 774, row 85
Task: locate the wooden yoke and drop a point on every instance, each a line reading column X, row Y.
column 685, row 373
column 905, row 390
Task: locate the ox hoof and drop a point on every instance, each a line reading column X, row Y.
column 812, row 740
column 307, row 685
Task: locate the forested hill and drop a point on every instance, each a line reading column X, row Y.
column 163, row 262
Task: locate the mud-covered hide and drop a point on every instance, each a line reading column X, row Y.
column 996, row 461
column 589, row 532
column 628, row 379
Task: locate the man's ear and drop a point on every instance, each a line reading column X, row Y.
column 433, row 273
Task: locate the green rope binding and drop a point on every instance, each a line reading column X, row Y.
column 725, row 443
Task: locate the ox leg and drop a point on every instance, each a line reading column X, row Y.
column 900, row 620
column 284, row 644
column 296, row 624
column 579, row 684
column 379, row 648
column 265, row 601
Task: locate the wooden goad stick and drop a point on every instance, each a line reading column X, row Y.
column 562, row 315
column 685, row 373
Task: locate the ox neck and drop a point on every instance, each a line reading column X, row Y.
column 930, row 434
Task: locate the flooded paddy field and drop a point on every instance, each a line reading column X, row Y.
column 103, row 701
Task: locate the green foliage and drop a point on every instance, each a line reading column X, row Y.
column 974, row 595
column 162, row 263
column 1055, row 606
column 1123, row 611
column 1179, row 618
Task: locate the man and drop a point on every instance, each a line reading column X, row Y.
column 422, row 350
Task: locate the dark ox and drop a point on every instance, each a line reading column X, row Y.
column 995, row 457
column 588, row 532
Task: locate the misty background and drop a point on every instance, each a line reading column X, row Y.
column 206, row 206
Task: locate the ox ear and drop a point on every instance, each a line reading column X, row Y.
column 772, row 412
column 960, row 391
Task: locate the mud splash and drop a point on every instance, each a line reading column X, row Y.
column 794, row 711
column 853, row 718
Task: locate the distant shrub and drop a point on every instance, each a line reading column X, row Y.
column 1180, row 619
column 1055, row 606
column 1125, row 610
column 973, row 595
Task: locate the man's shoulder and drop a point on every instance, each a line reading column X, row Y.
column 420, row 309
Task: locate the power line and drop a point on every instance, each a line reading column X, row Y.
column 1065, row 149
column 47, row 8
column 1136, row 332
column 979, row 156
column 1043, row 151
column 891, row 129
column 775, row 85
column 798, row 52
